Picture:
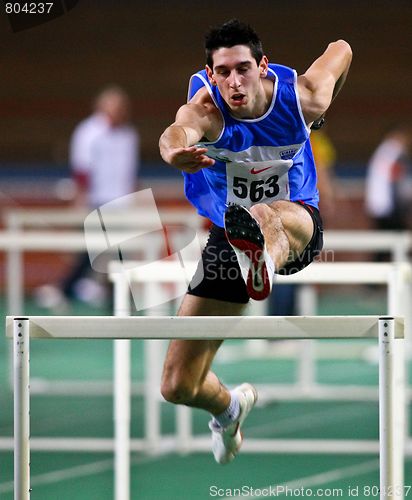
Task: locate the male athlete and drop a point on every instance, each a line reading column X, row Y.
column 242, row 144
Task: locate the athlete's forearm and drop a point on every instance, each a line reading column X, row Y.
column 178, row 148
column 173, row 137
column 345, row 64
column 323, row 80
column 318, row 123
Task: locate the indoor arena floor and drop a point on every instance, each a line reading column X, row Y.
column 89, row 476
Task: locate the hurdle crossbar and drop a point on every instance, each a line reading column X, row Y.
column 204, row 327
column 386, row 329
column 320, row 273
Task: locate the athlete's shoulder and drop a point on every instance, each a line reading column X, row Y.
column 202, row 98
column 201, row 111
column 197, row 81
column 283, row 73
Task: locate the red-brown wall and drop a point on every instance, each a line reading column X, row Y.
column 50, row 73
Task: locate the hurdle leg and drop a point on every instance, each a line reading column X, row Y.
column 21, row 339
column 15, row 277
column 307, row 306
column 152, row 402
column 122, row 394
column 14, row 291
column 398, row 305
column 153, row 362
column 184, row 432
column 390, row 422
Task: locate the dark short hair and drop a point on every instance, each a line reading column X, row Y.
column 232, row 33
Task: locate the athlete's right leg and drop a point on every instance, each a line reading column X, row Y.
column 187, row 378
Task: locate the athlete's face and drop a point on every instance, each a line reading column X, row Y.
column 239, row 79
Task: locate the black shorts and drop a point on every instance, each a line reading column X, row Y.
column 218, row 275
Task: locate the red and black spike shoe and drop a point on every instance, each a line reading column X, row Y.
column 246, row 238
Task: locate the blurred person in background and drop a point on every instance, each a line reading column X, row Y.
column 283, row 299
column 388, row 194
column 104, row 160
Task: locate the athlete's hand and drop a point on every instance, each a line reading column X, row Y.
column 190, row 159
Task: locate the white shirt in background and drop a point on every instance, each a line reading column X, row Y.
column 381, row 176
column 109, row 156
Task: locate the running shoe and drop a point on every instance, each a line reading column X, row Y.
column 246, row 238
column 227, row 441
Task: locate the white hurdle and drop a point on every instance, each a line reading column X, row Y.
column 386, row 329
column 42, row 237
column 396, row 277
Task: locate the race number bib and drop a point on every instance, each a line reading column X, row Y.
column 249, row 183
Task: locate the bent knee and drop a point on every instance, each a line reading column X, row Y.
column 261, row 210
column 268, row 215
column 178, row 390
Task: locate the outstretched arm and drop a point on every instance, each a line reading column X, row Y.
column 177, row 144
column 323, row 80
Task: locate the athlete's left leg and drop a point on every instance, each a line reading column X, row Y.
column 287, row 228
column 265, row 239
